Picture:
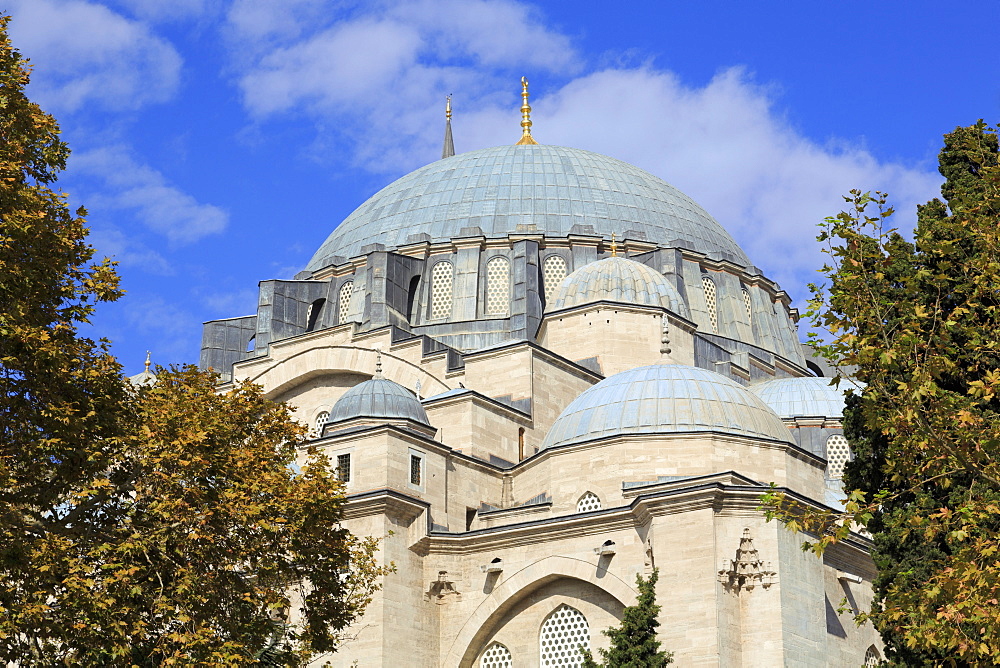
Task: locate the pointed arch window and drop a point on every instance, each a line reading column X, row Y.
column 442, row 279
column 496, row 656
column 553, row 273
column 561, row 637
column 872, row 657
column 748, row 304
column 588, row 502
column 344, row 300
column 321, row 419
column 497, row 286
column 313, row 314
column 708, row 286
column 838, row 453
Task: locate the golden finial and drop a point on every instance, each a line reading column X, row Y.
column 147, row 361
column 447, row 108
column 614, row 246
column 526, row 137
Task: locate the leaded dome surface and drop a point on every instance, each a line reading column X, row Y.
column 665, row 398
column 617, row 279
column 803, row 397
column 551, row 187
column 378, row 398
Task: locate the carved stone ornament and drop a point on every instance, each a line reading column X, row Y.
column 747, row 570
column 442, row 589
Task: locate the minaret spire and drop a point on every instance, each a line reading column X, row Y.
column 147, row 361
column 449, row 143
column 526, row 137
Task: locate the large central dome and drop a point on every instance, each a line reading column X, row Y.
column 550, row 187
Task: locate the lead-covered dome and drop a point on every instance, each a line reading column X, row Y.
column 551, row 187
column 803, row 397
column 617, row 279
column 381, row 399
column 665, row 398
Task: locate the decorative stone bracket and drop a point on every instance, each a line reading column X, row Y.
column 747, row 570
column 442, row 589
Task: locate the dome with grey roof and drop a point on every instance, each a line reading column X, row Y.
column 381, row 399
column 552, row 188
column 617, row 279
column 665, row 398
column 803, row 397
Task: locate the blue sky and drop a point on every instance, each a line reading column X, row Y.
column 218, row 142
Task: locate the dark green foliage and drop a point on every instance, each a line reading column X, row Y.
column 633, row 642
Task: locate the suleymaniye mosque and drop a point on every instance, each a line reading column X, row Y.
column 541, row 372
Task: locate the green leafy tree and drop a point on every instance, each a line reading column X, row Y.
column 633, row 642
column 920, row 321
column 169, row 525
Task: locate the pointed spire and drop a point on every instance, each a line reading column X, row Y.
column 526, row 137
column 147, row 361
column 449, row 143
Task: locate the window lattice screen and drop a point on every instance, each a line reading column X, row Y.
column 416, row 468
column 708, row 285
column 497, row 286
column 321, row 420
column 748, row 303
column 344, row 299
column 344, row 468
column 588, row 502
column 441, row 288
column 553, row 273
column 872, row 657
column 496, row 656
column 561, row 636
column 838, row 453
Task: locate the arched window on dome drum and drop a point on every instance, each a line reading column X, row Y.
column 872, row 657
column 313, row 314
column 588, row 502
column 497, row 286
column 553, row 273
column 561, row 637
column 748, row 303
column 496, row 656
column 708, row 286
column 344, row 301
column 838, row 453
column 442, row 277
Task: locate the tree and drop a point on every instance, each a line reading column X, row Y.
column 633, row 642
column 920, row 321
column 167, row 525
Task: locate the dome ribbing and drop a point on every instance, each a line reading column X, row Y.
column 379, row 398
column 617, row 279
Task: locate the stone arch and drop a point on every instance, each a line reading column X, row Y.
column 506, row 594
column 325, row 359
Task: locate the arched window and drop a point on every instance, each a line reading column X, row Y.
column 321, row 420
column 496, row 656
column 441, row 288
column 561, row 636
column 708, row 286
column 553, row 273
column 838, row 453
column 251, row 344
column 344, row 301
column 588, row 502
column 497, row 286
column 748, row 303
column 872, row 657
column 313, row 314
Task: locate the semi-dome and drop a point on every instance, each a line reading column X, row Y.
column 665, row 398
column 803, row 397
column 379, row 398
column 617, row 279
column 551, row 187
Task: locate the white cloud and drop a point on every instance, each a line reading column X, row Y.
column 128, row 251
column 84, row 53
column 172, row 10
column 163, row 208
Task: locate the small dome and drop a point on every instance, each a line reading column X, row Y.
column 664, row 398
column 618, row 279
column 379, row 398
column 803, row 397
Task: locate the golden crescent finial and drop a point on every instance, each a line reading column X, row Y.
column 147, row 361
column 526, row 137
column 614, row 245
column 447, row 108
